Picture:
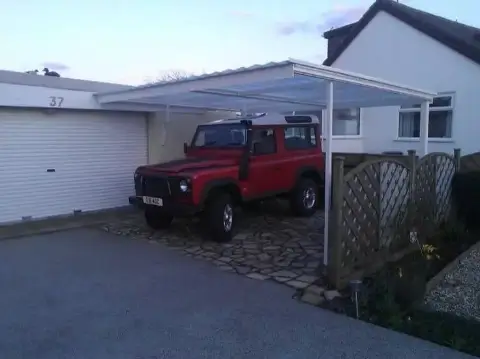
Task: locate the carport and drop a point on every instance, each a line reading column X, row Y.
column 282, row 87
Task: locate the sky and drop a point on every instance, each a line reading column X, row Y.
column 133, row 42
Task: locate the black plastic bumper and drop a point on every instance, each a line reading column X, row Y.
column 175, row 209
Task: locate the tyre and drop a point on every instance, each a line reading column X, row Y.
column 304, row 197
column 218, row 218
column 157, row 220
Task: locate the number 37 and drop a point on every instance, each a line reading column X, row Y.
column 56, row 101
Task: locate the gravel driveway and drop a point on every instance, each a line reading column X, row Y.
column 459, row 291
column 89, row 294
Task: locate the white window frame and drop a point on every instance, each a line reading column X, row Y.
column 450, row 108
column 360, row 125
column 321, row 115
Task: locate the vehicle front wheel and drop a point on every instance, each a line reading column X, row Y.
column 157, row 220
column 218, row 218
column 303, row 199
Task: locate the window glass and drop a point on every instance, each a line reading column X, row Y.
column 263, row 141
column 440, row 119
column 211, row 136
column 301, row 137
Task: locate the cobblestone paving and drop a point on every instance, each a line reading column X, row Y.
column 269, row 244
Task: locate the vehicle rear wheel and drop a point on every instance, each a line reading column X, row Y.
column 218, row 218
column 303, row 198
column 157, row 219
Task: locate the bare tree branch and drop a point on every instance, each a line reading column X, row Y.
column 171, row 76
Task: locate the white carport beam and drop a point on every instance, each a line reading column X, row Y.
column 259, row 97
column 328, row 126
column 173, row 108
column 424, row 124
column 149, row 107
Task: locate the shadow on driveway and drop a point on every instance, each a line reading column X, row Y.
column 88, row 294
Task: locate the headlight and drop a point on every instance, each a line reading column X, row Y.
column 184, row 185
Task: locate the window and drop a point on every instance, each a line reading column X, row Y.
column 263, row 142
column 301, row 137
column 223, row 135
column 440, row 119
column 346, row 122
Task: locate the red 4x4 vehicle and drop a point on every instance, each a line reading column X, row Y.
column 235, row 162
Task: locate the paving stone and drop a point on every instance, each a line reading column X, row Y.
column 263, row 257
column 297, row 284
column 331, row 294
column 298, row 265
column 312, row 298
column 266, row 271
column 281, row 279
column 225, row 259
column 284, row 273
column 242, row 269
column 257, row 276
column 315, row 289
column 307, row 278
column 263, row 265
column 193, row 249
column 313, row 264
column 272, row 248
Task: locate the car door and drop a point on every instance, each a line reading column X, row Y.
column 265, row 168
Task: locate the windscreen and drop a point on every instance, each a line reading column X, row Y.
column 222, row 135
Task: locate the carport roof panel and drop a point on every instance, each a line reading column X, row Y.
column 290, row 85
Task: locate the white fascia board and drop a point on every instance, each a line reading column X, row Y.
column 333, row 74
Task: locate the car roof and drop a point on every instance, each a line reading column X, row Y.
column 270, row 119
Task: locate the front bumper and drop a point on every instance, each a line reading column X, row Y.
column 174, row 208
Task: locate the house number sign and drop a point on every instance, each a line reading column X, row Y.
column 55, row 101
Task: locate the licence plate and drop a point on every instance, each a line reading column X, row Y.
column 153, row 201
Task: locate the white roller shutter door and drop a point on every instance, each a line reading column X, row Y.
column 59, row 162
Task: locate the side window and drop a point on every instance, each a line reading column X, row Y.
column 263, row 141
column 298, row 138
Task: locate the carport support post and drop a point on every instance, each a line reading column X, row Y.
column 424, row 120
column 328, row 166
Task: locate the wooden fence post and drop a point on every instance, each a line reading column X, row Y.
column 457, row 156
column 412, row 161
column 411, row 207
column 334, row 267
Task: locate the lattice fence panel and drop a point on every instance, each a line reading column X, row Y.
column 394, row 200
column 445, row 169
column 374, row 210
column 470, row 162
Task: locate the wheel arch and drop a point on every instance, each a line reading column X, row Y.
column 223, row 185
column 311, row 172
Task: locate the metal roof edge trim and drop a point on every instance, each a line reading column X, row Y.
column 228, row 72
column 335, row 74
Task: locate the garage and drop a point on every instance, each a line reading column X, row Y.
column 61, row 161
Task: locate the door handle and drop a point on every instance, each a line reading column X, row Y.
column 51, row 170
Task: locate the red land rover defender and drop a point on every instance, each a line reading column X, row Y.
column 235, row 162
